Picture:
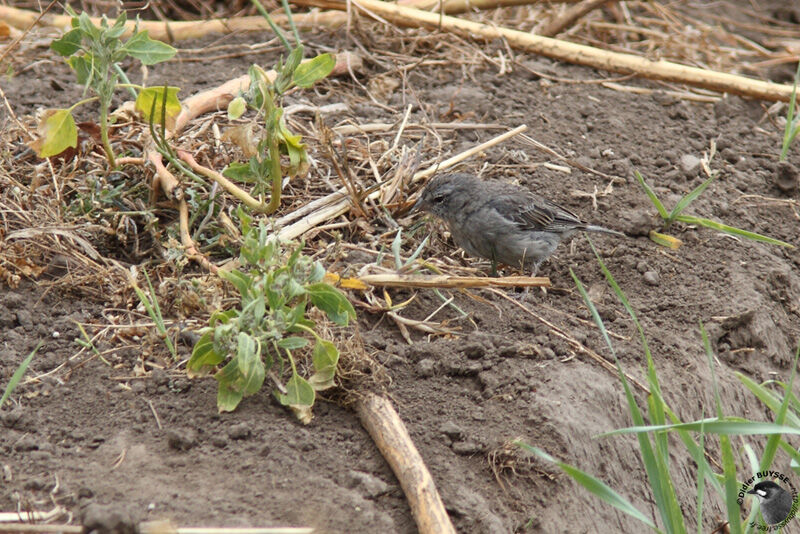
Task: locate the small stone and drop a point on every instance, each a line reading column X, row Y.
column 689, row 164
column 652, row 278
column 369, row 485
column 466, row 448
column 641, row 266
column 219, row 441
column 25, row 319
column 108, row 519
column 26, row 443
column 240, row 431
column 426, row 367
column 473, row 351
column 786, row 177
column 452, row 430
column 181, row 439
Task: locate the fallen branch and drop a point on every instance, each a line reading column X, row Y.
column 379, row 418
column 580, row 54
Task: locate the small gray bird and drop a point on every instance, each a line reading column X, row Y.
column 776, row 502
column 500, row 222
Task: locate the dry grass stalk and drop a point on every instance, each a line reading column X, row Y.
column 171, row 31
column 443, row 281
column 580, row 54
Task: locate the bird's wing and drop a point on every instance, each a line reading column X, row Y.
column 538, row 214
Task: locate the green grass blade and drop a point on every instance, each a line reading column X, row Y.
column 728, row 463
column 701, row 477
column 772, row 443
column 729, row 426
column 689, row 198
column 714, row 225
column 772, row 401
column 652, row 196
column 649, row 460
column 595, row 486
column 18, row 374
column 790, row 131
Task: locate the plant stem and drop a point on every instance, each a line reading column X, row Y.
column 272, row 25
column 275, row 173
column 104, row 135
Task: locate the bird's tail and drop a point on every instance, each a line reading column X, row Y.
column 593, row 228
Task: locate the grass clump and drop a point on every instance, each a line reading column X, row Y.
column 654, row 445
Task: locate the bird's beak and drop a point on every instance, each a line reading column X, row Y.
column 417, row 205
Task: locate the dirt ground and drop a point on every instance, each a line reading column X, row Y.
column 154, row 445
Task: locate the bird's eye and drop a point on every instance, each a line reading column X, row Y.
column 438, row 199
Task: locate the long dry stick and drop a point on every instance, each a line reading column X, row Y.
column 387, row 430
column 178, row 30
column 581, row 54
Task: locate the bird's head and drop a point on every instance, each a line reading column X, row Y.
column 445, row 194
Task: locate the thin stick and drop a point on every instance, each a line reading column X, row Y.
column 451, row 282
column 379, row 418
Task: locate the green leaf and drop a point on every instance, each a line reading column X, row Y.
column 714, row 225
column 69, row 43
column 239, row 172
column 149, row 95
column 116, row 31
column 652, row 195
column 82, row 65
column 325, row 358
column 286, row 73
column 147, row 50
column 242, row 282
column 596, row 486
column 689, row 198
column 332, row 301
column 310, row 72
column 222, row 317
column 57, row 132
column 251, row 367
column 18, row 374
column 299, row 397
column 236, row 108
column 204, row 357
column 88, row 28
column 292, row 343
column 229, row 395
